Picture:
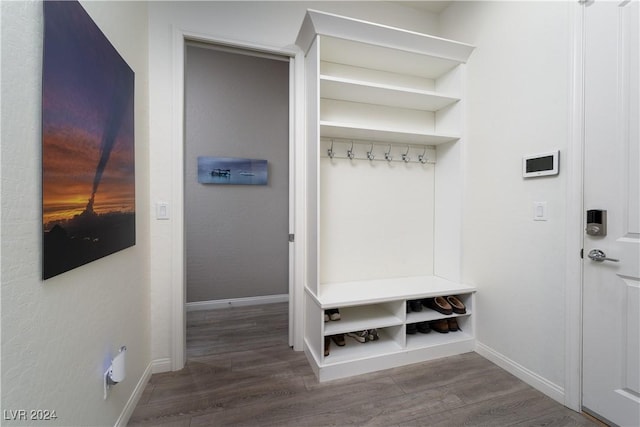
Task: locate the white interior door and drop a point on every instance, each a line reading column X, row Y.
column 611, row 289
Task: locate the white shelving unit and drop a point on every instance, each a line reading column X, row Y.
column 373, row 84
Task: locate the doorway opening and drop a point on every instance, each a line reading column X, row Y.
column 236, row 222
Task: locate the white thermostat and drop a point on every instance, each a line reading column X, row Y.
column 542, row 164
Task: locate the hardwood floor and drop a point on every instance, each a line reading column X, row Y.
column 241, row 371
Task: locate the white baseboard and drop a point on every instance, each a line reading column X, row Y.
column 161, row 365
column 128, row 409
column 236, row 302
column 552, row 390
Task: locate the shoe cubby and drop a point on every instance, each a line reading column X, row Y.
column 390, row 341
column 356, row 318
column 429, row 314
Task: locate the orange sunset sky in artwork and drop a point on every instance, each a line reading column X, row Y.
column 70, row 165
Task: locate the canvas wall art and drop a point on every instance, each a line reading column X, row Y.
column 231, row 170
column 88, row 179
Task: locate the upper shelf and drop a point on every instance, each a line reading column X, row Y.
column 382, row 94
column 380, row 47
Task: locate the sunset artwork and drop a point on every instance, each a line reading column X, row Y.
column 88, row 194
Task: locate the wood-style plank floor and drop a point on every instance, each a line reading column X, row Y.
column 241, row 371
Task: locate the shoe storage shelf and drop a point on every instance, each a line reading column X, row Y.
column 385, row 309
column 383, row 105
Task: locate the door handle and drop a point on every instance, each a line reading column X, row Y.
column 599, row 256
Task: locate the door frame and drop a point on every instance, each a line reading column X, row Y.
column 177, row 293
column 574, row 237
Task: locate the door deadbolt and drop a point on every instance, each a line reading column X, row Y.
column 596, row 222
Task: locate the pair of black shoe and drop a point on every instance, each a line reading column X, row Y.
column 442, row 326
column 422, row 327
column 414, row 305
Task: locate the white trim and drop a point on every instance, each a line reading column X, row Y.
column 159, row 366
column 296, row 222
column 292, row 195
column 236, row 302
column 574, row 236
column 547, row 387
column 299, row 190
column 130, row 406
column 178, row 282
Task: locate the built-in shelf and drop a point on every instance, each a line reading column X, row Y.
column 354, row 349
column 381, row 47
column 329, row 129
column 382, row 94
column 365, row 292
column 427, row 315
column 434, row 339
column 375, row 84
column 362, row 317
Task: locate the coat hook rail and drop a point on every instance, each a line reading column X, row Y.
column 348, row 149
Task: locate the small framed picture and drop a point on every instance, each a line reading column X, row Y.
column 232, row 170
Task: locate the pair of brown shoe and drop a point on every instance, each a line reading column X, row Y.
column 446, row 305
column 445, row 326
column 338, row 339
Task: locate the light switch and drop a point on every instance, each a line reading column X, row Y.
column 162, row 210
column 540, row 211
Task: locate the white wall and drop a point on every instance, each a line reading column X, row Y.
column 58, row 336
column 273, row 24
column 376, row 218
column 518, row 101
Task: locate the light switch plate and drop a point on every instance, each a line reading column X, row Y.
column 540, row 211
column 162, row 210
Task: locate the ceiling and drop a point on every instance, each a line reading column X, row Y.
column 428, row 5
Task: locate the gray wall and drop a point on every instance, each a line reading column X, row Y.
column 236, row 235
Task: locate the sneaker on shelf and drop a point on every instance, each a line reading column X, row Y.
column 360, row 336
column 412, row 329
column 326, row 315
column 334, row 314
column 373, row 335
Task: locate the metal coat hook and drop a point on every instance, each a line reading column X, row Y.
column 421, row 158
column 387, row 154
column 350, row 152
column 370, row 154
column 405, row 155
column 330, row 151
